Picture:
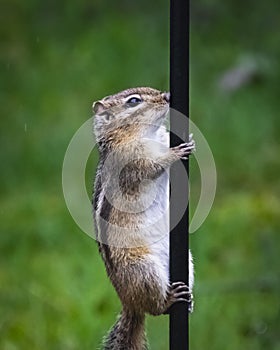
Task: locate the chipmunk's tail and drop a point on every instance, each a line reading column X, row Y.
column 128, row 333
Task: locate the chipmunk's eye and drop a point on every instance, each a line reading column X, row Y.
column 133, row 101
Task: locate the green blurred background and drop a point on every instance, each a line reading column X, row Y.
column 59, row 56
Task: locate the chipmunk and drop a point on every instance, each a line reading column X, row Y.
column 131, row 209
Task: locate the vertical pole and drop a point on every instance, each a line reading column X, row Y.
column 179, row 88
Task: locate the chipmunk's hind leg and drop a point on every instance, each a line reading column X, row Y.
column 179, row 292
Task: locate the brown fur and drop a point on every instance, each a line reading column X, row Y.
column 129, row 260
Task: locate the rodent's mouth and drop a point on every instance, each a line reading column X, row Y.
column 158, row 120
column 163, row 114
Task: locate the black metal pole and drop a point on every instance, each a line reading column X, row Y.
column 179, row 88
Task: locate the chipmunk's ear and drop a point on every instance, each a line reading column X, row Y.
column 98, row 107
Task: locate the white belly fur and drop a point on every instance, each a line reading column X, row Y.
column 160, row 248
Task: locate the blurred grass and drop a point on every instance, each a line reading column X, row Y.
column 56, row 58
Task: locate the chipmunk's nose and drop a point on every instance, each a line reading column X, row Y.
column 166, row 96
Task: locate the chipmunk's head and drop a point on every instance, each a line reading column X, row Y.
column 130, row 113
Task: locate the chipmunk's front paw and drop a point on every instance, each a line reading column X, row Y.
column 185, row 149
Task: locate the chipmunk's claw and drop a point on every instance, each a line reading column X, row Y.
column 185, row 149
column 180, row 292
